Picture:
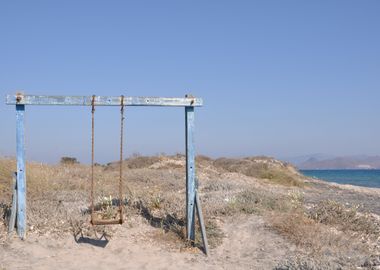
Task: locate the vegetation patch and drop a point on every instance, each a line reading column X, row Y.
column 255, row 202
column 344, row 218
column 69, row 160
column 262, row 168
column 139, row 162
column 332, row 235
column 318, row 241
column 174, row 227
column 58, row 202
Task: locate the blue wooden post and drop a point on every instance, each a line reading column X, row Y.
column 21, row 181
column 190, row 174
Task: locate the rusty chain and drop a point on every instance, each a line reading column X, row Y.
column 121, row 219
column 92, row 157
column 121, row 160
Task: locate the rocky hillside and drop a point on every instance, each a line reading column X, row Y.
column 356, row 162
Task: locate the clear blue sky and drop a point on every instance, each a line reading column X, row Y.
column 280, row 78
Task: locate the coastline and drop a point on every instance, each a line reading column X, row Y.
column 368, row 190
column 356, row 177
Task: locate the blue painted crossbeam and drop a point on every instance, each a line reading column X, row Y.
column 102, row 101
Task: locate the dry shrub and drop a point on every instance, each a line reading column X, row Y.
column 43, row 178
column 280, row 177
column 214, row 234
column 175, row 233
column 53, row 212
column 320, row 242
column 141, row 162
column 345, row 218
column 296, row 199
column 37, row 175
column 203, row 159
column 40, row 177
column 249, row 202
column 262, row 168
column 307, row 263
column 216, row 185
column 4, row 211
column 69, row 160
column 332, row 235
column 371, row 262
column 297, row 227
column 173, row 223
column 310, row 263
column 231, row 164
column 7, row 167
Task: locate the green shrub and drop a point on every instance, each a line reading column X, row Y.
column 69, row 160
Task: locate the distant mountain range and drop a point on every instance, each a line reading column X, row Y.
column 320, row 162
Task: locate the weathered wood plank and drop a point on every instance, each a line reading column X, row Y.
column 201, row 222
column 21, row 181
column 102, row 101
column 12, row 218
column 190, row 173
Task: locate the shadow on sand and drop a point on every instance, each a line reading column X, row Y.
column 100, row 242
column 168, row 223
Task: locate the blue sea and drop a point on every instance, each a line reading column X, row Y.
column 365, row 178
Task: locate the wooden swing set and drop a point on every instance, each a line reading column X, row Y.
column 192, row 197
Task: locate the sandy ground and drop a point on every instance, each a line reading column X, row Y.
column 241, row 206
column 249, row 244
